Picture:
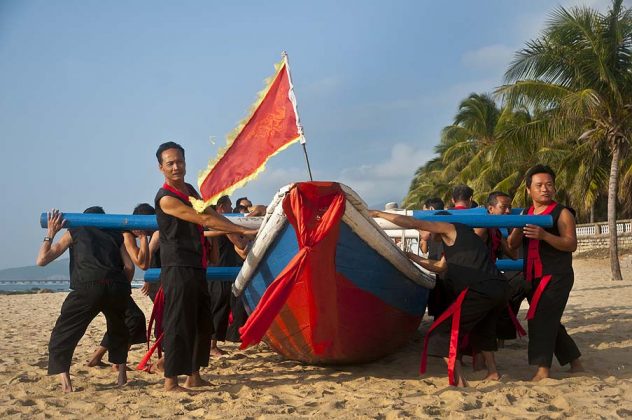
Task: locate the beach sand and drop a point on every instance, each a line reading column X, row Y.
column 258, row 383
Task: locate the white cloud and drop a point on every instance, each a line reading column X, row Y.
column 488, row 57
column 387, row 180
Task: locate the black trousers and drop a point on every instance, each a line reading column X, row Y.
column 439, row 298
column 220, row 293
column 186, row 320
column 240, row 316
column 77, row 311
column 135, row 323
column 479, row 312
column 520, row 289
column 547, row 335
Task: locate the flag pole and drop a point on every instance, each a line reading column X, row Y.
column 299, row 126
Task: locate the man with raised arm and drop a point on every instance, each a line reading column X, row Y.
column 100, row 275
column 187, row 315
column 549, row 268
column 480, row 288
column 134, row 316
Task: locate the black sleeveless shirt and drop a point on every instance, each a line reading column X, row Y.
column 468, row 261
column 553, row 260
column 95, row 256
column 180, row 241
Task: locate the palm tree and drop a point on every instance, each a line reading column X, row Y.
column 580, row 70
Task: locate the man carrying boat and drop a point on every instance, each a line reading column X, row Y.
column 480, row 288
column 549, row 269
column 100, row 275
column 187, row 316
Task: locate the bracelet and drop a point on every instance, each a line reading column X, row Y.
column 48, row 239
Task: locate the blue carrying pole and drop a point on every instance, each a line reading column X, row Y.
column 472, row 219
column 142, row 222
column 131, row 221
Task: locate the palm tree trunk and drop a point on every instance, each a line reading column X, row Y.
column 615, row 268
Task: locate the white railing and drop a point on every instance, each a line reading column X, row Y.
column 623, row 226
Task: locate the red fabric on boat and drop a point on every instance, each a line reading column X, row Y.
column 314, row 209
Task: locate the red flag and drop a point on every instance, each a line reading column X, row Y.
column 272, row 126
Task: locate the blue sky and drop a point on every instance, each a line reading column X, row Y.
column 89, row 89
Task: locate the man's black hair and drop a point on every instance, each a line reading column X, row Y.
column 94, row 210
column 240, row 209
column 435, row 203
column 492, row 198
column 462, row 193
column 238, row 201
column 223, row 199
column 144, row 209
column 166, row 146
column 538, row 169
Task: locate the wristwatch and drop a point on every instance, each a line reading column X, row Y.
column 48, row 238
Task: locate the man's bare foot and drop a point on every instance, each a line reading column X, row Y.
column 66, row 384
column 458, row 375
column 576, row 366
column 541, row 373
column 492, row 376
column 195, row 381
column 115, row 368
column 97, row 356
column 122, row 374
column 160, row 364
column 171, row 385
column 478, row 362
column 216, row 352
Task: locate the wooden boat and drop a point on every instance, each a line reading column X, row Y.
column 354, row 296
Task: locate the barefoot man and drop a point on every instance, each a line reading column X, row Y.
column 549, row 267
column 482, row 292
column 100, row 274
column 187, row 315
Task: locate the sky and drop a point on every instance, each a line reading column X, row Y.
column 90, row 88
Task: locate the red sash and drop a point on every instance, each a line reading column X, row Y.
column 453, row 311
column 534, row 265
column 199, row 228
column 156, row 317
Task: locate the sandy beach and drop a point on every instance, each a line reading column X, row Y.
column 258, row 383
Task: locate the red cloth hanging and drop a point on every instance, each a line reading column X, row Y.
column 314, row 209
column 534, row 265
column 453, row 311
column 155, row 318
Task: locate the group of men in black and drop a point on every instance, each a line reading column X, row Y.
column 102, row 266
column 470, row 289
column 482, row 302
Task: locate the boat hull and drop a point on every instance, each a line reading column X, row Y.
column 367, row 310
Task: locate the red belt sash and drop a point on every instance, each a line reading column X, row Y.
column 156, row 316
column 534, row 266
column 453, row 311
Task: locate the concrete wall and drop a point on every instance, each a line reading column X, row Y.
column 595, row 236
